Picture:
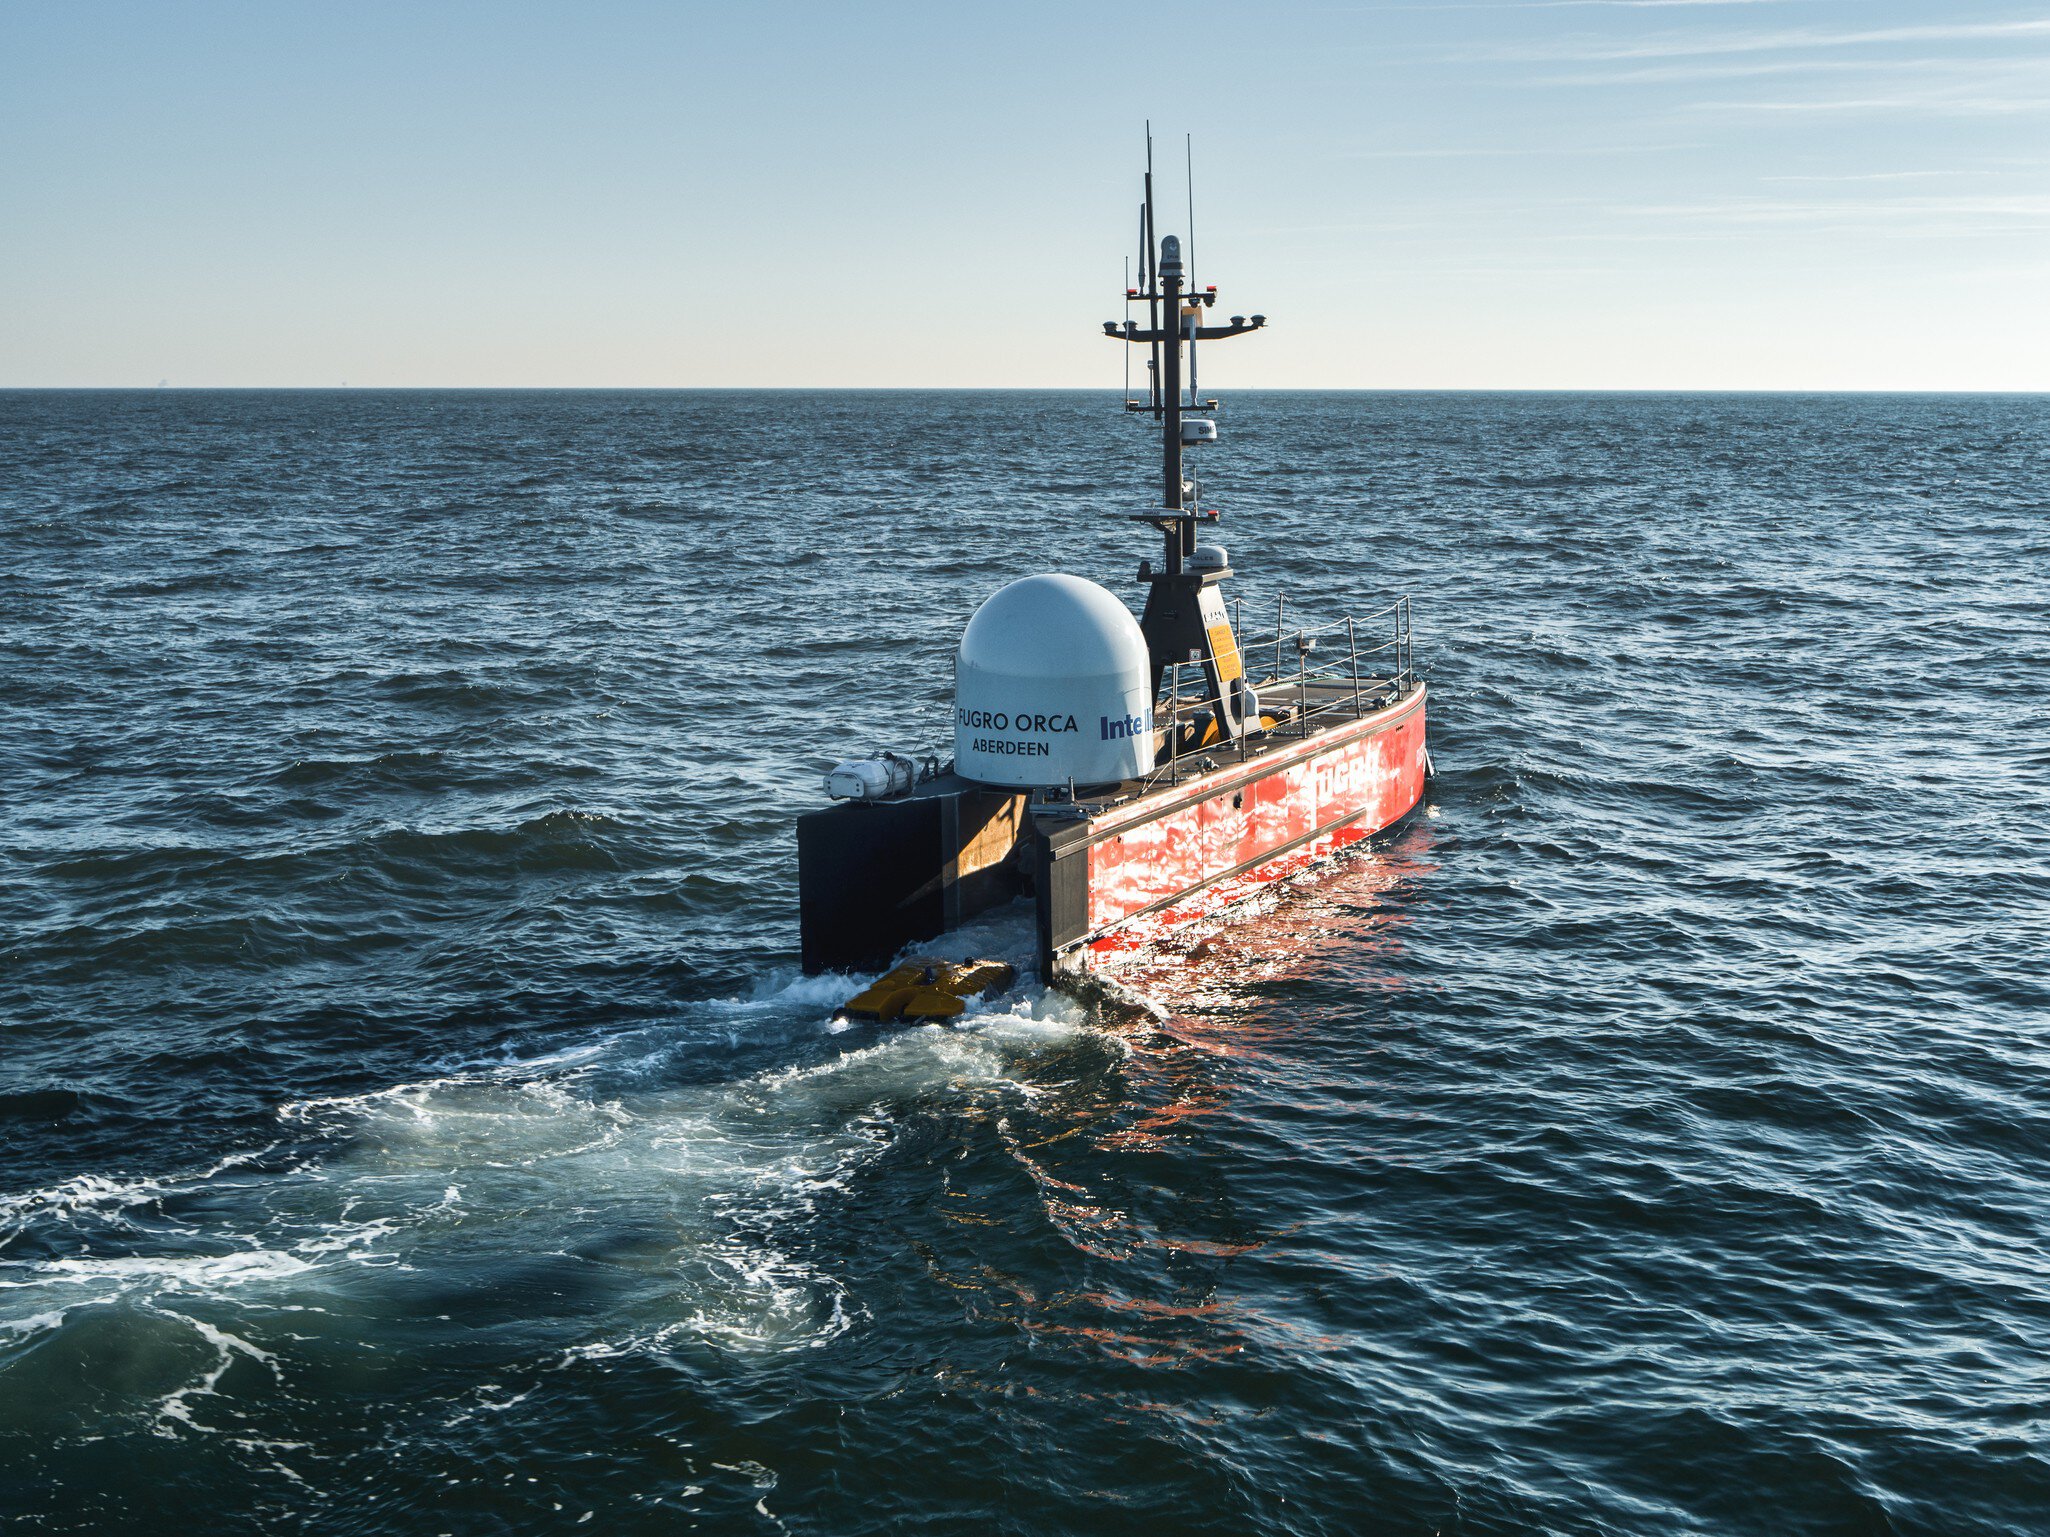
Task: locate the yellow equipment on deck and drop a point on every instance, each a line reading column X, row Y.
column 922, row 989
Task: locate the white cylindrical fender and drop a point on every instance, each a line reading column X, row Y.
column 871, row 779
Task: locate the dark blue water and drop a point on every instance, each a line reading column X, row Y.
column 411, row 1118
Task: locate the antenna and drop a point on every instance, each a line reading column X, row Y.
column 1189, row 169
column 1153, row 280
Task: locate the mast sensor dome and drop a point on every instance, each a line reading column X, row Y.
column 1052, row 683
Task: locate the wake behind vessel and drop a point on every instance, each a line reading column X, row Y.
column 1127, row 774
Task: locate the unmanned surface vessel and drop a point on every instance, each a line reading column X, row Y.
column 1124, row 773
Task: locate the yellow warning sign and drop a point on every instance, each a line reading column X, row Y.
column 1225, row 648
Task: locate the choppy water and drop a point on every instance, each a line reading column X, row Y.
column 411, row 1119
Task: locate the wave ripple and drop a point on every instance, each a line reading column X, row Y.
column 411, row 1119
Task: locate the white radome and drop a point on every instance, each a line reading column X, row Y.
column 1052, row 684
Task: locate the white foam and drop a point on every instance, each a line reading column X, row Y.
column 34, row 1323
column 786, row 987
column 527, row 1158
column 81, row 1193
column 182, row 1272
column 177, row 1406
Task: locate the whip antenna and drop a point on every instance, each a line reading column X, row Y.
column 1156, row 397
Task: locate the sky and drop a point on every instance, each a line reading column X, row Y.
column 1474, row 194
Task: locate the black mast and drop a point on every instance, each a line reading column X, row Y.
column 1171, row 488
column 1185, row 619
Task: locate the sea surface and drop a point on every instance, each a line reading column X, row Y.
column 412, row 1118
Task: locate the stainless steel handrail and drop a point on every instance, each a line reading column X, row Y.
column 1341, row 684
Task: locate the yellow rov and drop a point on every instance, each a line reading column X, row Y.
column 927, row 989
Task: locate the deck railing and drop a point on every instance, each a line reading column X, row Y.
column 1306, row 678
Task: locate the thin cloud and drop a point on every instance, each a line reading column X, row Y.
column 1992, row 89
column 1600, row 5
column 1768, row 211
column 1651, row 74
column 1845, row 176
column 1923, row 215
column 1978, row 84
column 1960, row 106
column 1493, row 152
column 1934, row 218
column 1771, row 42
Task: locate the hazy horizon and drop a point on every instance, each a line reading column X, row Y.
column 933, row 389
column 1558, row 195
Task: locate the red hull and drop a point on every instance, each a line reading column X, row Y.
column 877, row 876
column 1190, row 850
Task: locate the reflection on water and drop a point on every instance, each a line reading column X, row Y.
column 1341, row 916
column 1125, row 1162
